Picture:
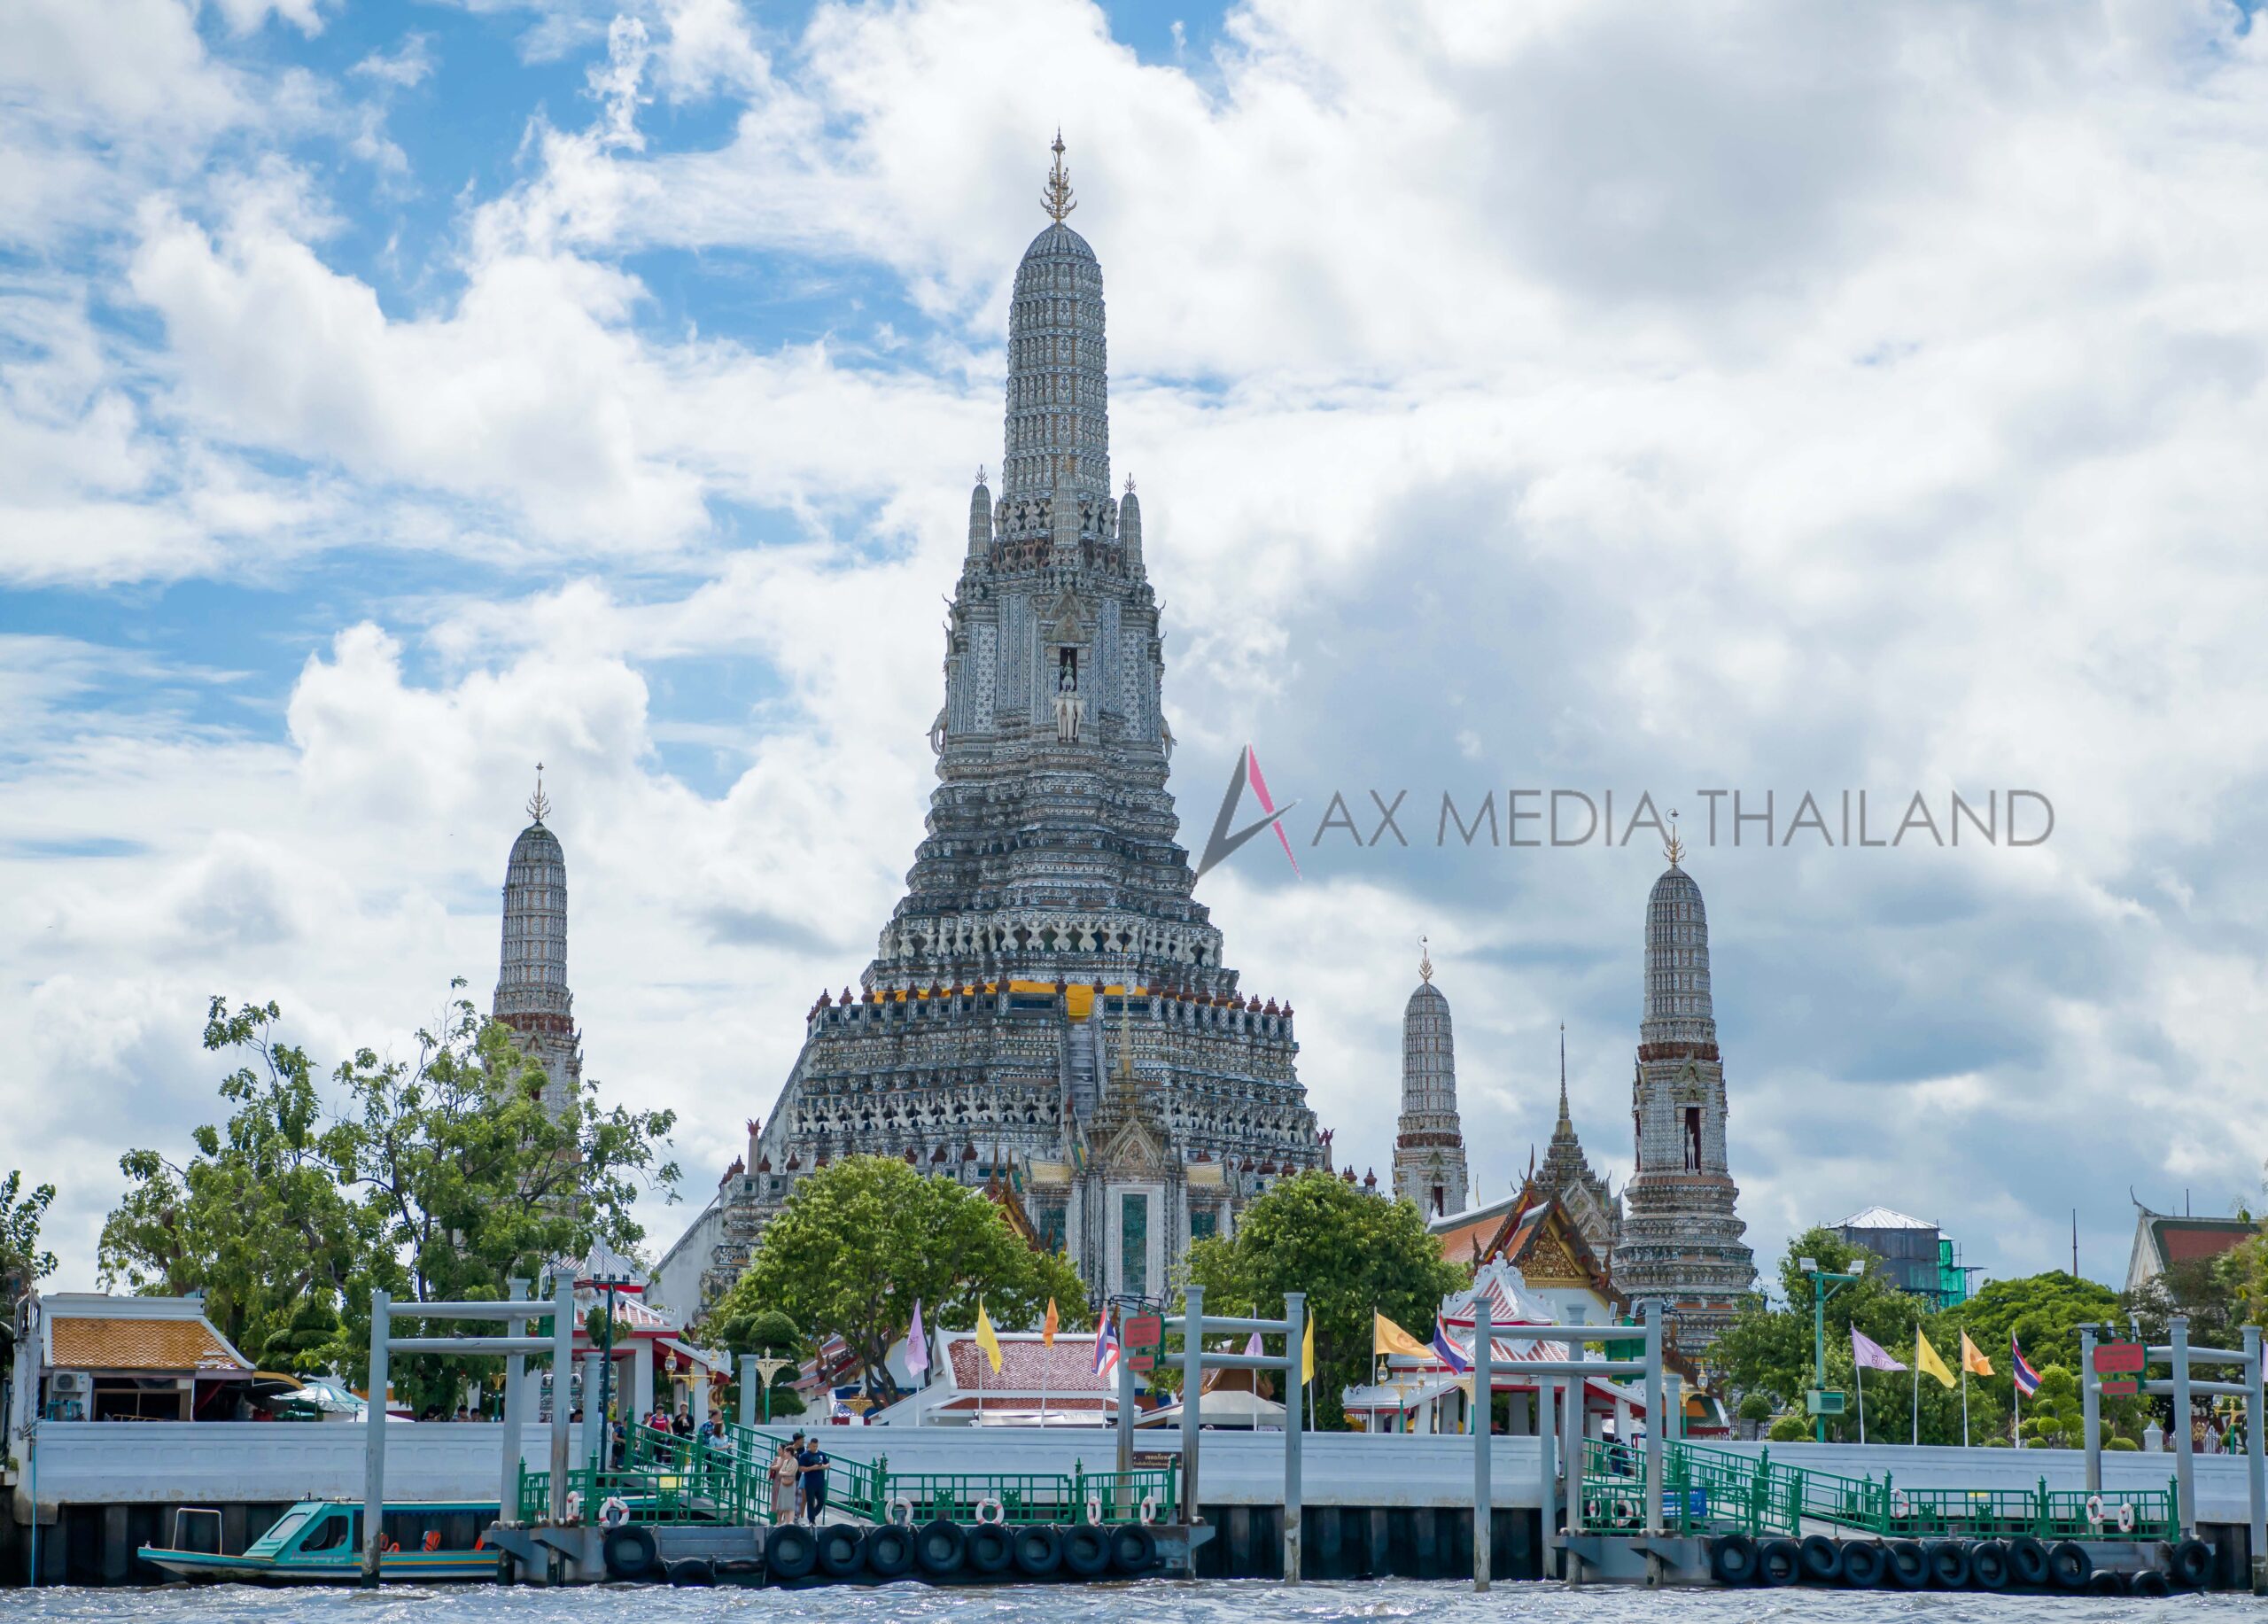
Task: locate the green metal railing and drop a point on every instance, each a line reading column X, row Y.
column 664, row 1478
column 1710, row 1490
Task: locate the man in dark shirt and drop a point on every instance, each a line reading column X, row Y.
column 812, row 1459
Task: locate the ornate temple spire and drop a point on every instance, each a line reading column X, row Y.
column 1562, row 1076
column 532, row 993
column 1057, row 388
column 1056, row 199
column 1429, row 1165
column 1677, row 1005
column 980, row 518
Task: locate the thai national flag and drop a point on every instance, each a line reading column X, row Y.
column 2027, row 1378
column 1106, row 1349
column 1448, row 1352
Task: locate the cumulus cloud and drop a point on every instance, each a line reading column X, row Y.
column 1747, row 394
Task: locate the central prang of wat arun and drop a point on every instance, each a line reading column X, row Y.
column 1048, row 1010
column 1049, row 1013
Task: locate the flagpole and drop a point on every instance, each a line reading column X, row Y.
column 1964, row 1394
column 1859, row 1380
column 1917, row 1385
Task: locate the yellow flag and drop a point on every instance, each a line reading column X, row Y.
column 1047, row 1331
column 1972, row 1357
column 987, row 1339
column 1387, row 1337
column 1925, row 1359
column 1306, row 1354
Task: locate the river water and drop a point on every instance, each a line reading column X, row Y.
column 1211, row 1601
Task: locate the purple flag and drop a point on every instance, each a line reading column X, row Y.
column 1869, row 1355
column 917, row 1345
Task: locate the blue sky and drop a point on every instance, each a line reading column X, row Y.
column 1743, row 396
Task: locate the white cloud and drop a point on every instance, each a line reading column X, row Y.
column 1747, row 393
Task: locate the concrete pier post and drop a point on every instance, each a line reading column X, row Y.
column 2090, row 1410
column 1572, row 1428
column 593, row 1422
column 2256, row 1462
column 1484, row 1382
column 1547, row 1489
column 515, row 1366
column 641, row 1375
column 1126, row 1400
column 374, row 1460
column 2185, row 1468
column 698, row 1387
column 749, row 1378
column 1295, row 1306
column 1193, row 1379
column 1657, row 1417
column 563, row 1363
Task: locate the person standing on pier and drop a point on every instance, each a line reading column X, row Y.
column 812, row 1459
column 786, row 1472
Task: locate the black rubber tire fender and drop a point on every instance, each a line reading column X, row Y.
column 1822, row 1560
column 1133, row 1549
column 1039, row 1549
column 790, row 1551
column 841, row 1550
column 2069, row 1565
column 2103, row 1582
column 1988, row 1564
column 628, row 1553
column 693, row 1571
column 2149, row 1581
column 1948, row 1564
column 1732, row 1560
column 2190, row 1565
column 941, row 1547
column 889, row 1551
column 1865, row 1562
column 1086, row 1549
column 2027, row 1560
column 1779, row 1562
column 991, row 1549
column 1909, row 1564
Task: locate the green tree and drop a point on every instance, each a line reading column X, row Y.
column 312, row 1342
column 1351, row 1253
column 23, row 1261
column 859, row 1242
column 440, row 1177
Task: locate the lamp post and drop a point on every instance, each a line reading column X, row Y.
column 1823, row 1285
column 606, row 1375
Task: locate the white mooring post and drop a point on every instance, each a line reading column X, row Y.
column 1656, row 1425
column 1484, row 1406
column 516, row 1387
column 2090, row 1410
column 1295, row 1308
column 2184, row 1462
column 594, row 1424
column 1547, row 1493
column 1193, row 1379
column 2255, row 1461
column 374, row 1458
column 563, row 1362
column 1126, row 1394
column 748, row 1389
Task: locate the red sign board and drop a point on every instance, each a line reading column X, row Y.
column 2118, row 1388
column 1145, row 1334
column 2119, row 1359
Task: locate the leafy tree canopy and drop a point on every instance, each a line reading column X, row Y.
column 440, row 1177
column 859, row 1242
column 22, row 1260
column 1351, row 1253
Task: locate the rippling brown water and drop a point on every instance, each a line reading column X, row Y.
column 1247, row 1602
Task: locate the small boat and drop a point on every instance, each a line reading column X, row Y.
column 320, row 1541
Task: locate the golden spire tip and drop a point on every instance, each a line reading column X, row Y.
column 1424, row 961
column 1057, row 199
column 1675, row 848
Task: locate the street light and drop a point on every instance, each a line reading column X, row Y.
column 1824, row 1285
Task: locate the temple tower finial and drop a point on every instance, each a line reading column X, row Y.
column 1672, row 848
column 1056, row 199
column 1424, row 961
column 539, row 803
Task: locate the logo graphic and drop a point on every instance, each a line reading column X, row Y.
column 1221, row 843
